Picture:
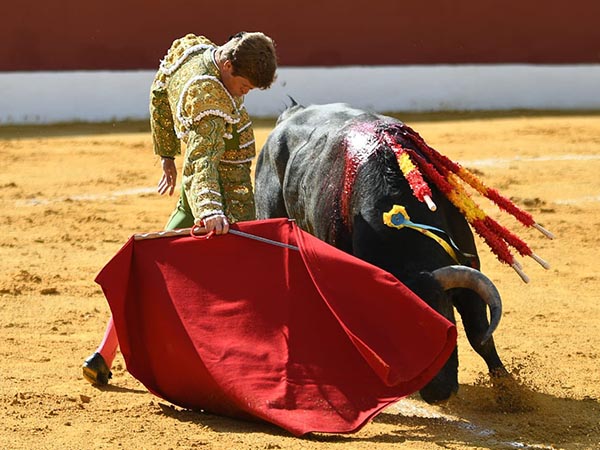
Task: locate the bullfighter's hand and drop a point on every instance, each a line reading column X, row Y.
column 218, row 223
column 169, row 178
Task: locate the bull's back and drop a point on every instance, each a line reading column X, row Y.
column 300, row 169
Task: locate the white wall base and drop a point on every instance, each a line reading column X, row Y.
column 97, row 96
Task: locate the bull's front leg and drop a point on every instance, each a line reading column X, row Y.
column 509, row 394
column 473, row 312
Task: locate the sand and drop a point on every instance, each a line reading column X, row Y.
column 72, row 194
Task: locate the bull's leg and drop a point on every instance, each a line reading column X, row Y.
column 508, row 393
column 445, row 383
column 268, row 193
column 473, row 313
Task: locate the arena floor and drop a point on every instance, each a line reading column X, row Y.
column 71, row 195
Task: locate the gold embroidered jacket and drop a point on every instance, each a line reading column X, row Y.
column 189, row 103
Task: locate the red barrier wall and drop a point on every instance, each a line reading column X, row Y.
column 117, row 35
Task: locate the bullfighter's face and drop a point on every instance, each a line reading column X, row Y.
column 236, row 85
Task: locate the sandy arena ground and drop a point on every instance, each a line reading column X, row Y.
column 71, row 195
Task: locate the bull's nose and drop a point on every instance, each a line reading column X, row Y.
column 443, row 401
column 438, row 397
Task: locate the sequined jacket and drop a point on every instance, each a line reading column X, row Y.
column 189, row 103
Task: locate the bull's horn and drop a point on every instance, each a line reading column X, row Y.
column 451, row 277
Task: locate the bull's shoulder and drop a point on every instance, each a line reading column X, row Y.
column 325, row 116
column 333, row 114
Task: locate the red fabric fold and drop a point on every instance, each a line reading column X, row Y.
column 310, row 340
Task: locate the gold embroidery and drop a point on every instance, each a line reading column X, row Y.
column 189, row 102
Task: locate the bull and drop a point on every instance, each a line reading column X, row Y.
column 332, row 170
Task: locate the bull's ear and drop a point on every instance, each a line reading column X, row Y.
column 294, row 102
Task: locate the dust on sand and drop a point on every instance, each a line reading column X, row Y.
column 71, row 195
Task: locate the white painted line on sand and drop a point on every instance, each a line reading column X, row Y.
column 501, row 162
column 414, row 408
column 578, row 201
column 87, row 197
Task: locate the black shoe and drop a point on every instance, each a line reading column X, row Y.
column 96, row 371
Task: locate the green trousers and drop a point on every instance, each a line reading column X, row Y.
column 182, row 216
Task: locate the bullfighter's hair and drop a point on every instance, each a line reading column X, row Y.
column 451, row 179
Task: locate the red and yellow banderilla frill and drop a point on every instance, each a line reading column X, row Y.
column 451, row 178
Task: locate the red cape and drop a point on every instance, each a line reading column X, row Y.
column 310, row 340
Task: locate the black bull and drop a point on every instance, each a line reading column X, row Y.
column 328, row 167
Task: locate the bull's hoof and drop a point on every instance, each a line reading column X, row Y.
column 499, row 372
column 510, row 395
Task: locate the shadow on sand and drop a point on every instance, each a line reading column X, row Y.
column 474, row 418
